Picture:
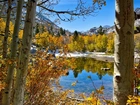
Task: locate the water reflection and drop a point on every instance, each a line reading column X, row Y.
column 90, row 65
column 84, row 67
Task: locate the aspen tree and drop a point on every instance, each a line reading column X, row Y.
column 124, row 51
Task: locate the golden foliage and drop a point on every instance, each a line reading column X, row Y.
column 20, row 34
column 2, row 25
column 137, row 42
column 2, row 85
column 44, row 70
column 48, row 41
column 133, row 100
column 2, row 33
column 110, row 43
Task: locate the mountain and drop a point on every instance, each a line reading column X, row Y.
column 92, row 30
column 137, row 20
column 95, row 30
column 109, row 29
column 106, row 26
column 137, row 11
column 40, row 18
column 50, row 26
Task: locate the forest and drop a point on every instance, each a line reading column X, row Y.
column 27, row 78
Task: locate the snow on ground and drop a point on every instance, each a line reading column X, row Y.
column 73, row 54
column 97, row 55
column 87, row 54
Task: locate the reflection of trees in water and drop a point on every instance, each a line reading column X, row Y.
column 75, row 73
column 99, row 76
column 91, row 65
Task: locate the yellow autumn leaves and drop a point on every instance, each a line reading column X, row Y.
column 133, row 100
column 91, row 43
column 2, row 31
column 45, row 39
column 99, row 43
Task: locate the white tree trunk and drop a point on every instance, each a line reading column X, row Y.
column 5, row 44
column 24, row 53
column 14, row 43
column 124, row 51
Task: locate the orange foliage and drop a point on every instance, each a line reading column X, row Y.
column 43, row 71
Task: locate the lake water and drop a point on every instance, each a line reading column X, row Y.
column 89, row 67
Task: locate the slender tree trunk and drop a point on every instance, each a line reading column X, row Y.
column 24, row 53
column 14, row 43
column 124, row 51
column 5, row 44
column 2, row 9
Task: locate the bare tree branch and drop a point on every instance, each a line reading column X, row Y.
column 60, row 12
column 42, row 2
column 82, row 9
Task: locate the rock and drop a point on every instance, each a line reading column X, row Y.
column 105, row 69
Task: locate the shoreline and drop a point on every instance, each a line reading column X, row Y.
column 101, row 56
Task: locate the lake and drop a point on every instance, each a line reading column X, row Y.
column 82, row 69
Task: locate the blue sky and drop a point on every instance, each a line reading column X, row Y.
column 105, row 16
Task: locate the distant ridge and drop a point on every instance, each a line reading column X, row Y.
column 107, row 29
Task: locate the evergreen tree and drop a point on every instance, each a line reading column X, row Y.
column 64, row 32
column 75, row 36
column 101, row 31
column 61, row 31
column 58, row 34
column 37, row 29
